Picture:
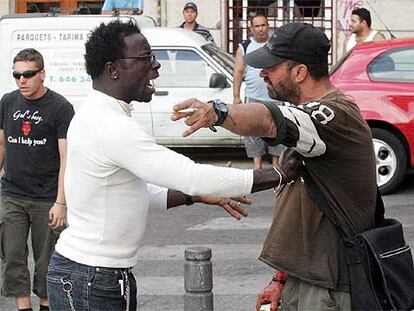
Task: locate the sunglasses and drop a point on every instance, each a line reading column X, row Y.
column 148, row 57
column 26, row 74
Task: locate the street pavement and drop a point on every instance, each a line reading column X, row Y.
column 238, row 275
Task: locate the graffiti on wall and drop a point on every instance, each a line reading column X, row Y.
column 345, row 7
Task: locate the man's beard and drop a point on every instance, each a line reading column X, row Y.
column 289, row 92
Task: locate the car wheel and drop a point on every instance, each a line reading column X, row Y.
column 391, row 160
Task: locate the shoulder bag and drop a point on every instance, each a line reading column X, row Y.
column 379, row 260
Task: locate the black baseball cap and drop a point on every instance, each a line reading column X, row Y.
column 190, row 5
column 299, row 42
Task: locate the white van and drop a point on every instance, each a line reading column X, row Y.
column 190, row 67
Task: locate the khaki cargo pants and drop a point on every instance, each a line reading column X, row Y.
column 298, row 295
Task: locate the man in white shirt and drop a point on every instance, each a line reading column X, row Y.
column 112, row 171
column 361, row 29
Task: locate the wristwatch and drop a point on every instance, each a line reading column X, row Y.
column 221, row 110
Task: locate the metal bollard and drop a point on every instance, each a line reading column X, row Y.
column 198, row 279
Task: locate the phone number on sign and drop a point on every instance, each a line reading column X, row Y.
column 70, row 79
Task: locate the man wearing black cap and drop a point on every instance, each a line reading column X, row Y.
column 327, row 129
column 190, row 13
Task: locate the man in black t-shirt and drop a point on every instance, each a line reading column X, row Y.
column 33, row 125
column 327, row 129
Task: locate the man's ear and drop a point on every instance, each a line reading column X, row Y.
column 111, row 70
column 43, row 75
column 301, row 72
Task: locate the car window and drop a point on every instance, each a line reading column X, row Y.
column 222, row 57
column 395, row 66
column 182, row 68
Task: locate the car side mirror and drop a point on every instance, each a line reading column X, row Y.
column 218, row 81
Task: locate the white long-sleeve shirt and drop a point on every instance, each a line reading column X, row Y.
column 110, row 163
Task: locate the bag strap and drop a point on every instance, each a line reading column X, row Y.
column 321, row 202
column 379, row 210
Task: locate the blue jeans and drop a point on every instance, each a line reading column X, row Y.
column 89, row 288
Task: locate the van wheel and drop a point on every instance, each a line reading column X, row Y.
column 391, row 160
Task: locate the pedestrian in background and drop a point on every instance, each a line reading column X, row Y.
column 256, row 89
column 190, row 13
column 319, row 122
column 123, row 7
column 115, row 172
column 33, row 125
column 361, row 29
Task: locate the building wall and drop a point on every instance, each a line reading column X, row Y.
column 396, row 14
column 209, row 14
column 4, row 7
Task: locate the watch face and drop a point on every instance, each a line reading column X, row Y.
column 221, row 105
column 221, row 110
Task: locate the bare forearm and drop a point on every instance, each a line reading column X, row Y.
column 237, row 81
column 2, row 149
column 250, row 120
column 177, row 198
column 60, row 197
column 253, row 119
column 265, row 179
column 287, row 170
column 2, row 156
column 238, row 76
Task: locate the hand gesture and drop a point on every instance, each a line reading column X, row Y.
column 231, row 205
column 196, row 113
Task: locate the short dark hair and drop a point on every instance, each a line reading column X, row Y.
column 106, row 44
column 30, row 55
column 364, row 15
column 254, row 15
column 316, row 71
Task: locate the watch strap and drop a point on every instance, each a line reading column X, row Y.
column 221, row 110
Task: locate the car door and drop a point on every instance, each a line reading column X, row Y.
column 393, row 73
column 185, row 73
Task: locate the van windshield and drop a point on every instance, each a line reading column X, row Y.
column 225, row 59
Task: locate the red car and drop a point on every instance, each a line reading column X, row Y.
column 379, row 76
